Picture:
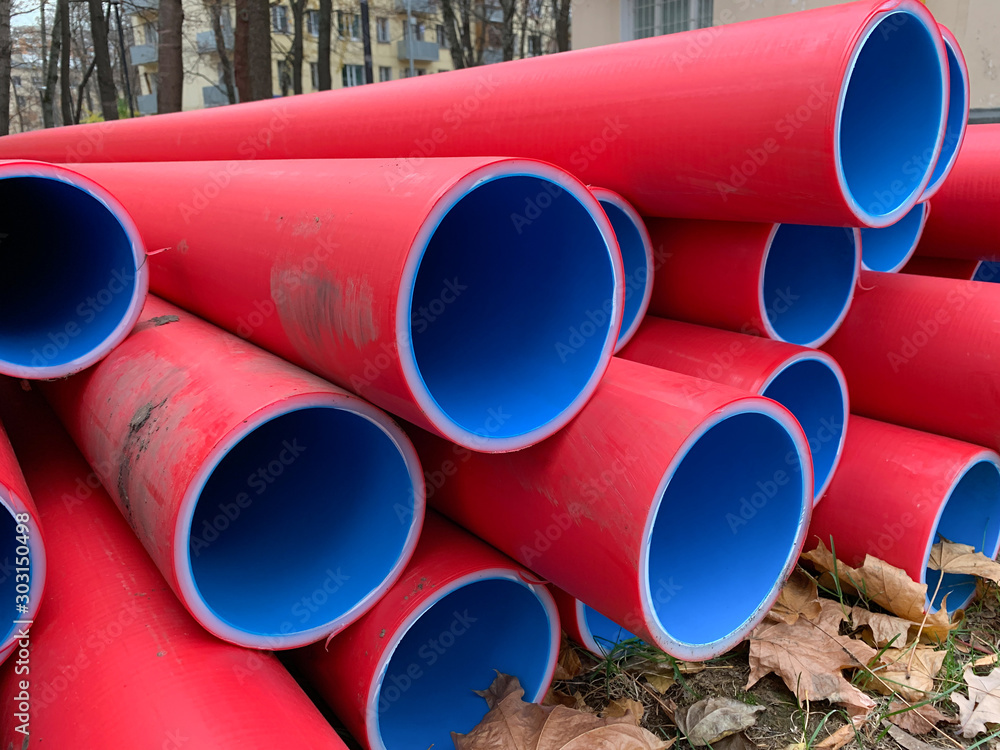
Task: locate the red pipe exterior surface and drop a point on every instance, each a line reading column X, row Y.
column 162, row 419
column 964, row 222
column 580, row 509
column 24, row 580
column 607, row 115
column 752, row 364
column 943, row 268
column 717, row 274
column 355, row 672
column 897, row 490
column 921, row 352
column 115, row 661
column 329, row 280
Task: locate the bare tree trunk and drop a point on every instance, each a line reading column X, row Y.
column 220, row 46
column 524, row 30
column 4, row 67
column 453, row 33
column 52, row 71
column 324, row 75
column 81, row 89
column 560, row 9
column 298, row 17
column 509, row 8
column 65, row 95
column 102, row 59
column 241, row 52
column 259, row 48
column 170, row 78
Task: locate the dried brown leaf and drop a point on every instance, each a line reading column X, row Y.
column 838, row 738
column 982, row 707
column 512, row 724
column 908, row 742
column 963, row 558
column 885, row 629
column 713, row 719
column 738, row 741
column 559, row 698
column 661, row 683
column 568, row 666
column 799, row 596
column 809, row 660
column 919, row 720
column 912, row 678
column 625, row 708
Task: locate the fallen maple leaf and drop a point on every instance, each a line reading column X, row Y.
column 799, row 596
column 568, row 665
column 949, row 557
column 908, row 671
column 625, row 707
column 919, row 720
column 837, row 739
column 982, row 707
column 713, row 719
column 885, row 629
column 512, row 724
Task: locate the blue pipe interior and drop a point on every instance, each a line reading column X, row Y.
column 457, row 646
column 633, row 260
column 971, row 516
column 67, row 281
column 8, row 586
column 884, row 249
column 810, row 390
column 508, row 309
column 988, row 271
column 606, row 633
column 891, row 114
column 809, row 276
column 725, row 529
column 300, row 521
column 956, row 113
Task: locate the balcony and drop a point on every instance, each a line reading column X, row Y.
column 427, row 7
column 492, row 55
column 214, row 96
column 146, row 104
column 138, row 6
column 206, row 41
column 143, row 54
column 422, row 51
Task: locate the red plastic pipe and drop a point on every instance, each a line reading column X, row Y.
column 782, row 281
column 921, row 352
column 958, row 113
column 597, row 508
column 637, row 259
column 898, row 491
column 115, row 661
column 278, row 507
column 944, row 268
column 403, row 676
column 888, row 249
column 964, row 222
column 832, row 116
column 807, row 382
column 588, row 627
column 22, row 549
column 480, row 299
column 74, row 276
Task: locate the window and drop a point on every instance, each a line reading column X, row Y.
column 384, row 73
column 314, row 75
column 382, row 30
column 348, row 24
column 353, row 75
column 279, row 18
column 312, row 22
column 16, row 80
column 417, row 29
column 654, row 17
column 534, row 45
column 441, row 39
column 150, row 35
column 20, row 101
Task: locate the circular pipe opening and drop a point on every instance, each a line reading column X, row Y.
column 727, row 529
column 300, row 525
column 988, row 271
column 70, row 291
column 513, row 309
column 891, row 116
column 814, row 390
column 958, row 115
column 970, row 515
column 8, row 586
column 637, row 260
column 456, row 644
column 807, row 282
column 887, row 249
column 12, row 553
column 603, row 634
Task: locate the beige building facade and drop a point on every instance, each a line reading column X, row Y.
column 976, row 24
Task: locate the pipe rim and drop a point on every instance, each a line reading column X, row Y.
column 371, row 711
column 704, row 651
column 833, row 325
column 631, row 274
column 918, row 12
column 829, row 362
column 955, row 131
column 140, row 288
column 905, row 229
column 450, row 197
column 14, row 505
column 188, row 590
